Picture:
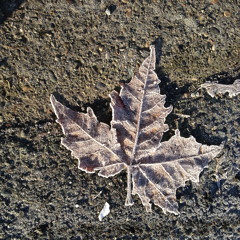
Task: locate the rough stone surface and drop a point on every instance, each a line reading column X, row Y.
column 80, row 50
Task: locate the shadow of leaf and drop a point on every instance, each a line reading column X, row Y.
column 7, row 7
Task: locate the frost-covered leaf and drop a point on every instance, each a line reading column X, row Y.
column 214, row 89
column 133, row 142
column 93, row 143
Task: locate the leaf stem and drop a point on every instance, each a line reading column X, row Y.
column 129, row 201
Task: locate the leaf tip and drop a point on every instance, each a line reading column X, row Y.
column 177, row 132
column 52, row 99
column 90, row 112
column 152, row 48
column 54, row 104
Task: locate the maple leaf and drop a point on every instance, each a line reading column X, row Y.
column 133, row 142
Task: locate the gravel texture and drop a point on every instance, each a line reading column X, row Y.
column 80, row 50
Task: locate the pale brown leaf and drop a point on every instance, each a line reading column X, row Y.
column 133, row 142
column 93, row 143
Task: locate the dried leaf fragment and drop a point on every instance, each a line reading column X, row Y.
column 133, row 142
column 104, row 212
column 214, row 89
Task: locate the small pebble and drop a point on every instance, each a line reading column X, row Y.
column 227, row 14
column 100, row 85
